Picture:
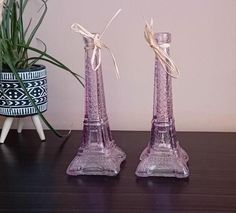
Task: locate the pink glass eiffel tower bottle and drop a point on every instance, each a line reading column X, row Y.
column 163, row 156
column 98, row 153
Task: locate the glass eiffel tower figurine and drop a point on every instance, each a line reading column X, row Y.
column 163, row 156
column 98, row 153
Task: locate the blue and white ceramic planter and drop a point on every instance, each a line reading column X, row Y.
column 14, row 102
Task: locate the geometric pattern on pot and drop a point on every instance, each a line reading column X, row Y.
column 14, row 102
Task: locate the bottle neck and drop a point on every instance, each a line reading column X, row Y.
column 163, row 38
column 95, row 109
column 162, row 107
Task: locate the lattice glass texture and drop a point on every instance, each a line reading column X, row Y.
column 163, row 155
column 98, row 154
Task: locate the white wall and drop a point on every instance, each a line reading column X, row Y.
column 203, row 46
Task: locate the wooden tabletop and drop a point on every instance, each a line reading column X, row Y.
column 33, row 179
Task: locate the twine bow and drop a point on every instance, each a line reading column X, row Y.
column 98, row 44
column 166, row 61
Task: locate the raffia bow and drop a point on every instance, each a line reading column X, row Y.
column 98, row 44
column 166, row 61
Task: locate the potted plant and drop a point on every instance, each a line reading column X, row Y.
column 23, row 86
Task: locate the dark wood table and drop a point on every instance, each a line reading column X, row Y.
column 33, row 179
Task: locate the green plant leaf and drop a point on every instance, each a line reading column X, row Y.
column 50, row 59
column 15, row 44
column 32, row 101
column 40, row 56
column 32, row 34
column 77, row 76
